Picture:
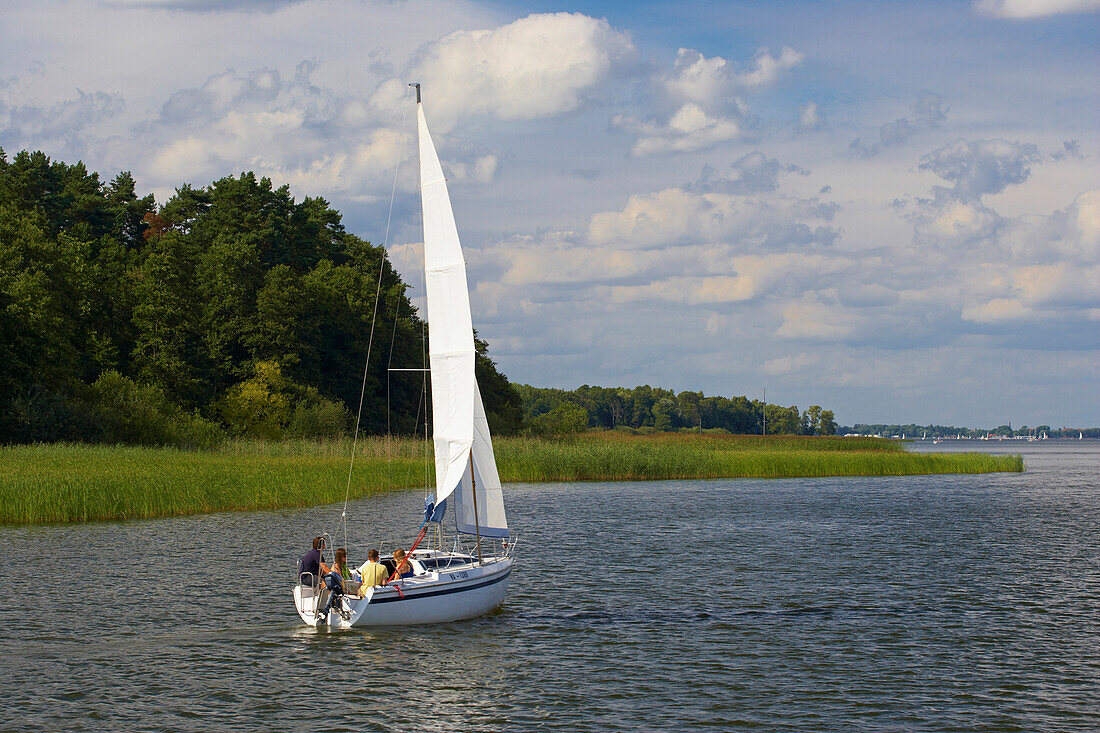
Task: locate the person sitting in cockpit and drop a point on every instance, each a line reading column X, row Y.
column 372, row 572
column 404, row 567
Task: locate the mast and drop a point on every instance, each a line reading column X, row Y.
column 477, row 523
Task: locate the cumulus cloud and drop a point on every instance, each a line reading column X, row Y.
column 809, row 118
column 1071, row 149
column 767, row 68
column 66, row 126
column 537, row 66
column 956, row 216
column 788, row 364
column 699, row 105
column 676, row 216
column 810, row 319
column 229, row 90
column 1032, row 293
column 564, row 257
column 749, row 278
column 929, row 112
column 481, row 170
column 696, row 78
column 685, row 246
column 981, row 167
column 1038, row 272
column 291, row 129
column 752, row 173
column 689, row 129
column 1029, row 9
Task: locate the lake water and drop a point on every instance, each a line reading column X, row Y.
column 920, row 603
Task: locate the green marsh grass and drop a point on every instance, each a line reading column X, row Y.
column 75, row 483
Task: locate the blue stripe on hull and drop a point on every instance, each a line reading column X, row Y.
column 442, row 591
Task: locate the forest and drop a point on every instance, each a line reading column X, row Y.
column 232, row 310
column 652, row 409
column 950, row 431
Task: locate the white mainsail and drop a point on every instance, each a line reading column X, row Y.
column 459, row 426
column 450, row 328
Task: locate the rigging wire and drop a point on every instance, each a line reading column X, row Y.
column 373, row 319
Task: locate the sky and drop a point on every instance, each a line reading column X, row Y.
column 888, row 209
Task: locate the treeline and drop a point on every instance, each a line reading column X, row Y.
column 652, row 409
column 230, row 310
column 950, row 431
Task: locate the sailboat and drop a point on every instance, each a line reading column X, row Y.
column 464, row 581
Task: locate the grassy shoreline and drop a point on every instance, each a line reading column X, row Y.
column 76, row 483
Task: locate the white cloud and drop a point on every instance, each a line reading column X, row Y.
column 291, row 130
column 675, row 216
column 996, row 310
column 564, row 257
column 981, row 167
column 696, row 78
column 750, row 277
column 67, row 126
column 481, row 170
column 1081, row 239
column 1028, row 9
column 767, row 68
column 697, row 105
column 812, row 320
column 751, row 173
column 952, row 222
column 689, row 129
column 788, row 364
column 538, row 66
column 928, row 113
column 809, row 118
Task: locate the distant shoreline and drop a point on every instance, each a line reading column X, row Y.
column 66, row 483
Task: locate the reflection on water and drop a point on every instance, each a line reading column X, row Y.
column 915, row 603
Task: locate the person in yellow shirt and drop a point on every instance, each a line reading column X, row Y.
column 373, row 572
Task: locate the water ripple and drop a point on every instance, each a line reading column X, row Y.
column 917, row 603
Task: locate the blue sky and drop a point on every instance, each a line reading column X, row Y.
column 889, row 209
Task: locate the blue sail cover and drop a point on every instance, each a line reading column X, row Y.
column 433, row 513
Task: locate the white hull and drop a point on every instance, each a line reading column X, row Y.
column 451, row 594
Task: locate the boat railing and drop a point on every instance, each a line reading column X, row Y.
column 314, row 586
column 507, row 546
column 510, row 544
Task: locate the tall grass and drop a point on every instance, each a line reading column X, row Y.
column 686, row 456
column 73, row 483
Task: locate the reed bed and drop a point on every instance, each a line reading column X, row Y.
column 76, row 483
column 752, row 457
